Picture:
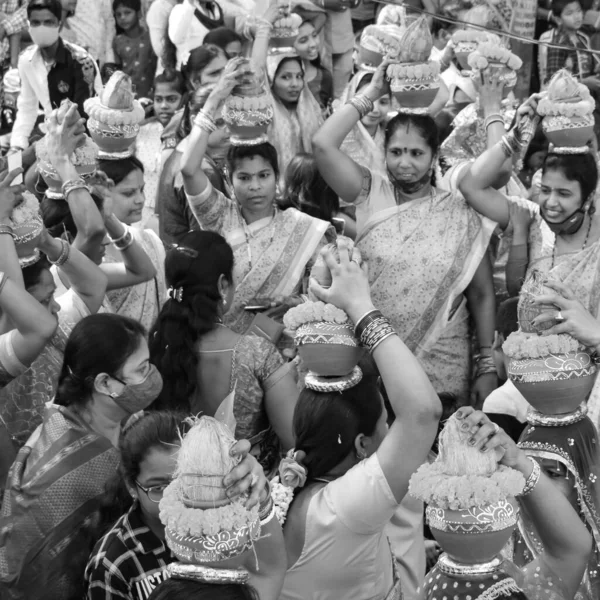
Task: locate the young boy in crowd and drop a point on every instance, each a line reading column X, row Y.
column 132, row 47
column 569, row 16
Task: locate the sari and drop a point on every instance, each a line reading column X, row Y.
column 51, row 506
column 359, row 145
column 576, row 447
column 142, row 302
column 271, row 256
column 291, row 131
column 422, row 255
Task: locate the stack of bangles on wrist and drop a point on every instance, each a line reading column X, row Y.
column 3, row 280
column 484, row 365
column 72, row 185
column 263, row 29
column 495, row 118
column 7, row 230
column 63, row 257
column 123, row 242
column 205, row 122
column 533, row 478
column 371, row 329
column 266, row 510
column 362, row 104
column 510, row 143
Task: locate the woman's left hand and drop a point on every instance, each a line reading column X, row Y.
column 482, row 387
column 490, row 91
column 527, row 112
column 247, row 478
column 576, row 319
column 233, row 71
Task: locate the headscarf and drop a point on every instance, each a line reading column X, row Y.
column 291, row 131
column 576, row 447
column 359, row 145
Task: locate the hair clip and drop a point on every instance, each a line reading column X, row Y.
column 184, row 250
column 175, row 293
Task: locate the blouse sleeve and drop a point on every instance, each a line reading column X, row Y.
column 10, row 365
column 268, row 361
column 362, row 498
column 209, row 208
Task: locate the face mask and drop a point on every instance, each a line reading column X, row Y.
column 44, row 36
column 410, row 187
column 570, row 225
column 138, row 396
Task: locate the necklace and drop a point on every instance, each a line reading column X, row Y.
column 248, row 234
column 587, row 237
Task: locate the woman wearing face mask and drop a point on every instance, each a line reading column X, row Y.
column 426, row 248
column 365, row 143
column 272, row 248
column 175, row 216
column 45, row 534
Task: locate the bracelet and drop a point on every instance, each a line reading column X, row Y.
column 72, row 184
column 63, row 257
column 363, row 321
column 7, row 229
column 272, row 513
column 205, row 122
column 120, row 238
column 3, row 280
column 265, row 509
column 362, row 104
column 510, row 144
column 485, row 366
column 127, row 241
column 533, row 478
column 377, row 330
column 493, row 118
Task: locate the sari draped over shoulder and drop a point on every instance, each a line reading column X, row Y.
column 291, row 131
column 359, row 145
column 422, row 256
column 576, row 447
column 270, row 256
column 50, row 506
column 143, row 302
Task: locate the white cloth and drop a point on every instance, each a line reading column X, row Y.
column 507, row 400
column 157, row 21
column 34, row 91
column 94, row 25
column 8, row 359
column 185, row 30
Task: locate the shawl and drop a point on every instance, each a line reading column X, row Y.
column 576, row 447
column 291, row 131
column 51, row 506
column 359, row 145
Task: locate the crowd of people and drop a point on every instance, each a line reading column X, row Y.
column 187, row 187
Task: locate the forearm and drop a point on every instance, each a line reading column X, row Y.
column 482, row 303
column 272, row 558
column 260, row 47
column 516, row 266
column 194, row 178
column 9, row 260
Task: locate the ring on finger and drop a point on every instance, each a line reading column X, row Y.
column 559, row 317
column 253, row 480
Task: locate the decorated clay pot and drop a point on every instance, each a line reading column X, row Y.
column 506, row 75
column 248, row 118
column 414, row 85
column 53, row 180
column 565, row 131
column 556, row 383
column 114, row 141
column 473, row 535
column 328, row 349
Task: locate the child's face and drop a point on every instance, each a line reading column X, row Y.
column 166, row 102
column 572, row 16
column 126, row 18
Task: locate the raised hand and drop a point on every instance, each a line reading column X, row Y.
column 10, row 195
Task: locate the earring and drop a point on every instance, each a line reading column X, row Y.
column 361, row 455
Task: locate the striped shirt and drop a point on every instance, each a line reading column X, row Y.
column 128, row 562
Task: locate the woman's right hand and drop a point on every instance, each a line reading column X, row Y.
column 527, row 112
column 10, row 195
column 350, row 283
column 379, row 85
column 521, row 217
column 62, row 138
column 490, row 91
column 234, row 70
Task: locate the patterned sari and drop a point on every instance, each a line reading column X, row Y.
column 271, row 256
column 143, row 302
column 422, row 256
column 576, row 447
column 50, row 508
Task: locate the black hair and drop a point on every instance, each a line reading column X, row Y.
column 195, row 266
column 196, row 101
column 575, row 167
column 199, row 59
column 33, row 273
column 54, row 6
column 100, row 343
column 58, row 218
column 295, row 59
column 326, row 424
column 222, row 37
column 132, row 4
column 557, row 6
column 507, row 318
column 173, row 78
column 108, row 70
column 117, row 170
column 266, row 150
column 183, row 589
column 306, row 190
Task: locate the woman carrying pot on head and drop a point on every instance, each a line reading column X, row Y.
column 272, row 248
column 426, row 248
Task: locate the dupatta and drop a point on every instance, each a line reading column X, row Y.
column 422, row 256
column 291, row 131
column 576, row 447
column 50, row 507
column 359, row 145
